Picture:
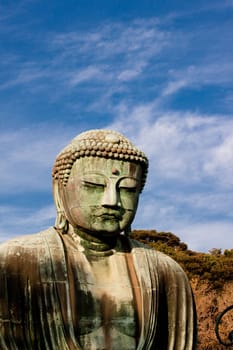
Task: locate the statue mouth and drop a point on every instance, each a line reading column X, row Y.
column 109, row 215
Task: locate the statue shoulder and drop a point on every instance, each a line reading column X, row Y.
column 137, row 244
column 171, row 274
column 164, row 263
column 15, row 249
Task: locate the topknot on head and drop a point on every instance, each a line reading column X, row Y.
column 98, row 143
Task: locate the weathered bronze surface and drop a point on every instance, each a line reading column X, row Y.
column 84, row 284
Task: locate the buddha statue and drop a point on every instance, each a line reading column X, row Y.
column 84, row 283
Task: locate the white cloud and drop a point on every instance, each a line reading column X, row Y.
column 39, row 218
column 174, row 86
column 182, row 146
column 207, row 235
column 208, row 72
column 215, row 203
column 199, row 234
column 112, row 39
column 128, row 74
column 27, row 156
column 196, row 77
column 84, row 75
column 112, row 56
column 190, row 172
column 191, row 154
column 220, row 162
column 19, row 221
column 107, row 57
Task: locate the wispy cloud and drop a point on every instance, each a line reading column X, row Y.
column 191, row 167
column 25, row 75
column 124, row 75
column 89, row 73
column 20, row 221
column 27, row 156
column 111, row 40
column 118, row 52
column 200, row 234
column 174, row 86
column 186, row 152
column 195, row 77
column 206, row 235
column 110, row 54
column 182, row 146
column 112, row 58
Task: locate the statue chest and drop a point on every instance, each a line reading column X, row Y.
column 103, row 302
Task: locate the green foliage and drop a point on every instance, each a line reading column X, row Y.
column 214, row 267
column 228, row 253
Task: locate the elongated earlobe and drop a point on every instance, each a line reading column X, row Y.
column 61, row 222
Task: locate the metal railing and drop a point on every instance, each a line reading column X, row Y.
column 230, row 335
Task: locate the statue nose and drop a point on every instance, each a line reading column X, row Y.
column 111, row 196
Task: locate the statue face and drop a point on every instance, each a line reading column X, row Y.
column 101, row 195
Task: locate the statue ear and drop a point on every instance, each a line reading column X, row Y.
column 61, row 222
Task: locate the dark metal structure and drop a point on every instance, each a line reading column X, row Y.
column 218, row 321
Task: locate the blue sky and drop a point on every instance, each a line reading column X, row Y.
column 158, row 71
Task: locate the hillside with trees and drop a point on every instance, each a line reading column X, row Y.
column 211, row 277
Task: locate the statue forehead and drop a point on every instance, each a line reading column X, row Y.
column 107, row 167
column 100, row 143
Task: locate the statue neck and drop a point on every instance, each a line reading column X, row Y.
column 92, row 245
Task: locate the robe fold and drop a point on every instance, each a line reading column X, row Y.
column 35, row 299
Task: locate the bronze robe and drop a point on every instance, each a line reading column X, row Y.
column 35, row 304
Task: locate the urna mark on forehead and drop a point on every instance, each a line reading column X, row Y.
column 99, row 143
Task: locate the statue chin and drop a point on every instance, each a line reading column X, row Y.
column 103, row 227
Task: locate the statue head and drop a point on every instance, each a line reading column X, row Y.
column 97, row 180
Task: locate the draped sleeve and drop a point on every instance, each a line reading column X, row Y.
column 168, row 308
column 34, row 294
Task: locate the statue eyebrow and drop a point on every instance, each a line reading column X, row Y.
column 92, row 176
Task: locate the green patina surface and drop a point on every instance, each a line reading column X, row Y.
column 84, row 284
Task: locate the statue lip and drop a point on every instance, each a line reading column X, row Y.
column 110, row 215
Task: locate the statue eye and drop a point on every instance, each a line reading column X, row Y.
column 129, row 185
column 92, row 185
column 93, row 181
column 129, row 189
